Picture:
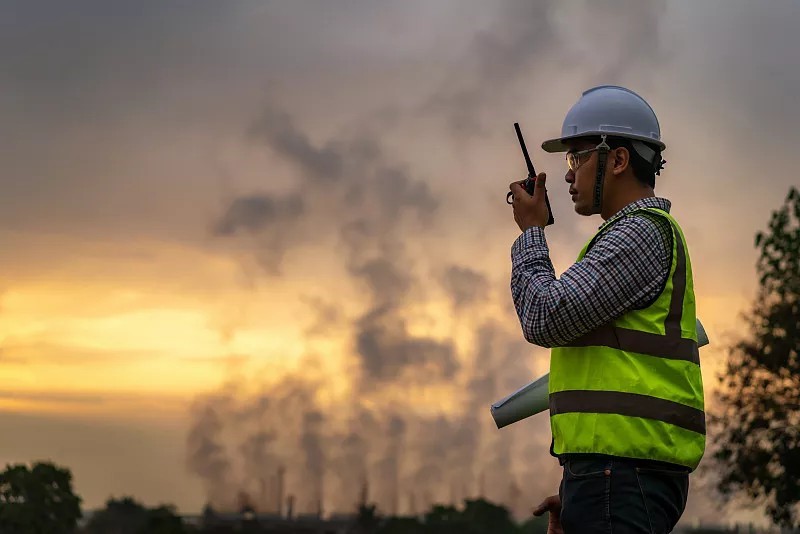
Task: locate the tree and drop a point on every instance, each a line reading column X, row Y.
column 164, row 520
column 123, row 516
column 126, row 516
column 402, row 525
column 758, row 425
column 38, row 500
column 534, row 525
column 484, row 516
column 367, row 520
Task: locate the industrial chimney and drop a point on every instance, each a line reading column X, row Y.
column 279, row 491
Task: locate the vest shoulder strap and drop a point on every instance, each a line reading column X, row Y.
column 640, row 212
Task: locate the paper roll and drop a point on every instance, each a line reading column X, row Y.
column 702, row 338
column 525, row 402
column 534, row 397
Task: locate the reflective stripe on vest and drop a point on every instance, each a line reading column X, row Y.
column 633, row 387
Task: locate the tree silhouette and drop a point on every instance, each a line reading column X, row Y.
column 126, row 516
column 367, row 520
column 442, row 519
column 534, row 525
column 38, row 500
column 163, row 520
column 478, row 516
column 402, row 525
column 758, row 425
column 488, row 517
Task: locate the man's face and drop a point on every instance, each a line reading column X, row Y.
column 581, row 182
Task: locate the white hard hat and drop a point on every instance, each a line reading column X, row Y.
column 608, row 110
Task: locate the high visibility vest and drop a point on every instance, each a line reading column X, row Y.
column 632, row 387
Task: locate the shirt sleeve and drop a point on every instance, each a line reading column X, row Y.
column 625, row 269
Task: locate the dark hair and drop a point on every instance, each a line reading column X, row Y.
column 645, row 171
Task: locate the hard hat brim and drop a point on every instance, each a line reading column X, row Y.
column 558, row 145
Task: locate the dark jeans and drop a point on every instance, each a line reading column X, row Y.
column 620, row 496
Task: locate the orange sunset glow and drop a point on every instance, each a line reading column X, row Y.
column 225, row 222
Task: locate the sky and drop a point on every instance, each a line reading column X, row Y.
column 236, row 236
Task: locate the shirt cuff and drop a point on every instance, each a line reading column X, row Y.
column 532, row 238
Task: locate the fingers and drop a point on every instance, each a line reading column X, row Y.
column 517, row 191
column 551, row 504
column 539, row 184
column 540, row 189
column 540, row 181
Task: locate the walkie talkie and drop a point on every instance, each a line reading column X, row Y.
column 530, row 182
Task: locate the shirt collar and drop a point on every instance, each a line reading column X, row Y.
column 648, row 202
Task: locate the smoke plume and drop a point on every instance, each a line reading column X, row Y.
column 415, row 429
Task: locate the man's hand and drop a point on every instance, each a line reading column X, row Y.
column 530, row 210
column 551, row 504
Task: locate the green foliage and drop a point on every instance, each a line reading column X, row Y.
column 38, row 500
column 476, row 517
column 484, row 516
column 367, row 520
column 126, row 516
column 442, row 519
column 758, row 427
column 534, row 525
column 402, row 525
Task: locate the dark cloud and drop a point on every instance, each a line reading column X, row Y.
column 396, row 192
column 206, row 454
column 753, row 98
column 373, row 202
column 386, row 469
column 465, row 286
column 349, row 186
column 347, row 461
column 405, row 456
column 278, row 131
column 313, row 442
column 519, row 33
column 515, row 55
column 324, row 317
column 516, row 456
column 387, row 281
column 350, row 173
column 435, row 448
column 281, row 442
column 387, row 350
column 258, row 458
column 615, row 42
column 375, row 206
column 257, row 213
column 86, row 57
column 272, row 221
column 112, row 113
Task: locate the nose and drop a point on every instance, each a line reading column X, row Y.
column 569, row 177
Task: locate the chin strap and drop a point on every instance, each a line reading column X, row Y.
column 597, row 202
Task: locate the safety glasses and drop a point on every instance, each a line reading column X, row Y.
column 574, row 158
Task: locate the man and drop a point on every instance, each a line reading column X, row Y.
column 626, row 394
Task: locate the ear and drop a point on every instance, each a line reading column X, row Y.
column 619, row 161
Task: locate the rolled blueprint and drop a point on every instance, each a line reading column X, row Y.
column 525, row 402
column 534, row 397
column 702, row 338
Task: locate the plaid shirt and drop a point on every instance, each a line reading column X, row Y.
column 625, row 269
